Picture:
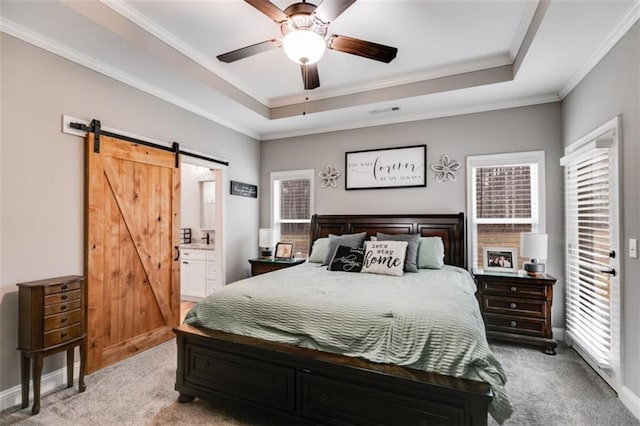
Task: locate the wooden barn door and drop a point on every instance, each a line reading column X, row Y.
column 133, row 294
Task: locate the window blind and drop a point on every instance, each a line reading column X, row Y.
column 504, row 192
column 588, row 237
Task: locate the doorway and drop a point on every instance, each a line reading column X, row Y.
column 202, row 219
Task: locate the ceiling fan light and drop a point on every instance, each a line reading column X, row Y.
column 303, row 46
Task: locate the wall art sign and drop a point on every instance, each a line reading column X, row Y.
column 402, row 167
column 244, row 189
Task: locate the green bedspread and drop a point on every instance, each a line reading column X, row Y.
column 428, row 320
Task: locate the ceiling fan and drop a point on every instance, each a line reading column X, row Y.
column 304, row 28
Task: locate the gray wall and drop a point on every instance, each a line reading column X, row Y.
column 42, row 172
column 509, row 130
column 613, row 88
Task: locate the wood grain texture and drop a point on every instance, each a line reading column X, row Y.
column 132, row 226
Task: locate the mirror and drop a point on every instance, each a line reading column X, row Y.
column 208, row 205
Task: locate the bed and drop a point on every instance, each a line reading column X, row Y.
column 356, row 371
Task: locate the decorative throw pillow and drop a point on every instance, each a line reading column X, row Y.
column 319, row 250
column 349, row 240
column 411, row 259
column 384, row 257
column 430, row 253
column 347, row 259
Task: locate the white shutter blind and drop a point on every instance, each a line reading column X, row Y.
column 588, row 237
column 504, row 192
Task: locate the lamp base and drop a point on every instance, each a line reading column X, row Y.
column 534, row 269
column 265, row 252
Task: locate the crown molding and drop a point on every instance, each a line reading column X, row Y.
column 454, row 69
column 141, row 20
column 381, row 121
column 523, row 28
column 618, row 32
column 37, row 39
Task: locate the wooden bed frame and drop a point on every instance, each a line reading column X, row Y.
column 312, row 386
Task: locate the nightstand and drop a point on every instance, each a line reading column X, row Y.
column 264, row 265
column 517, row 308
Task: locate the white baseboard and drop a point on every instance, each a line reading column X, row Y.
column 558, row 334
column 12, row 397
column 630, row 400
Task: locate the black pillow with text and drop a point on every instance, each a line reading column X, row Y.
column 347, row 259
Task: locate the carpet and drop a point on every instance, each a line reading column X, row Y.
column 545, row 390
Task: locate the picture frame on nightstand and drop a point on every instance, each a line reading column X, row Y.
column 284, row 251
column 500, row 259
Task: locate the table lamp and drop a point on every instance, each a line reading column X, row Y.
column 266, row 241
column 534, row 247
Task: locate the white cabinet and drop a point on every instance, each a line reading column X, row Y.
column 213, row 283
column 198, row 273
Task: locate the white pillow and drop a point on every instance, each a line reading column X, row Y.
column 319, row 250
column 384, row 257
column 430, row 253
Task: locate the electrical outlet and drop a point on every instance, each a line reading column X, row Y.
column 633, row 248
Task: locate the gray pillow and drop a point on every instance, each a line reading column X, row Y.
column 348, row 240
column 411, row 258
column 431, row 253
column 319, row 250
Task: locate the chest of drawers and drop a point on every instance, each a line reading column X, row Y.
column 52, row 319
column 517, row 308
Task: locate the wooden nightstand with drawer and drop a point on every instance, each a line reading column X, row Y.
column 52, row 319
column 517, row 308
column 264, row 265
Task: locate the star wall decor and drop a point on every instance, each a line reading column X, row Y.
column 446, row 169
column 329, row 176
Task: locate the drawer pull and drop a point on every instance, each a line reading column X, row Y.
column 513, row 324
column 63, row 320
column 513, row 306
column 64, row 297
column 63, row 307
column 207, row 364
column 513, row 289
column 64, row 287
column 63, row 334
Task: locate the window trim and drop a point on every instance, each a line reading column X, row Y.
column 497, row 160
column 291, row 175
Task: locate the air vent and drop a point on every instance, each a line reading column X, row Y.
column 384, row 110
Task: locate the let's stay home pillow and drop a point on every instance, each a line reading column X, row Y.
column 384, row 257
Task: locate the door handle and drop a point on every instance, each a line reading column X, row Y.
column 177, row 252
column 611, row 272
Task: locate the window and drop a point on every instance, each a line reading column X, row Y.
column 292, row 207
column 592, row 269
column 505, row 196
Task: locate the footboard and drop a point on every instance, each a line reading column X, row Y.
column 318, row 386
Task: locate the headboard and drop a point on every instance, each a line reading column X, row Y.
column 450, row 227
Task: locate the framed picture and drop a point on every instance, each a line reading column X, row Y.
column 284, row 251
column 502, row 259
column 403, row 167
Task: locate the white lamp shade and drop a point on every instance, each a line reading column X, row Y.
column 533, row 246
column 303, row 46
column 266, row 237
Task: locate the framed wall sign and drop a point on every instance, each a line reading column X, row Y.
column 402, row 167
column 244, row 189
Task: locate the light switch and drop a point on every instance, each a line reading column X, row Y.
column 633, row 248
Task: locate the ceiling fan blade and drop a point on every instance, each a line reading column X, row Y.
column 310, row 76
column 331, row 9
column 269, row 9
column 366, row 49
column 247, row 51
